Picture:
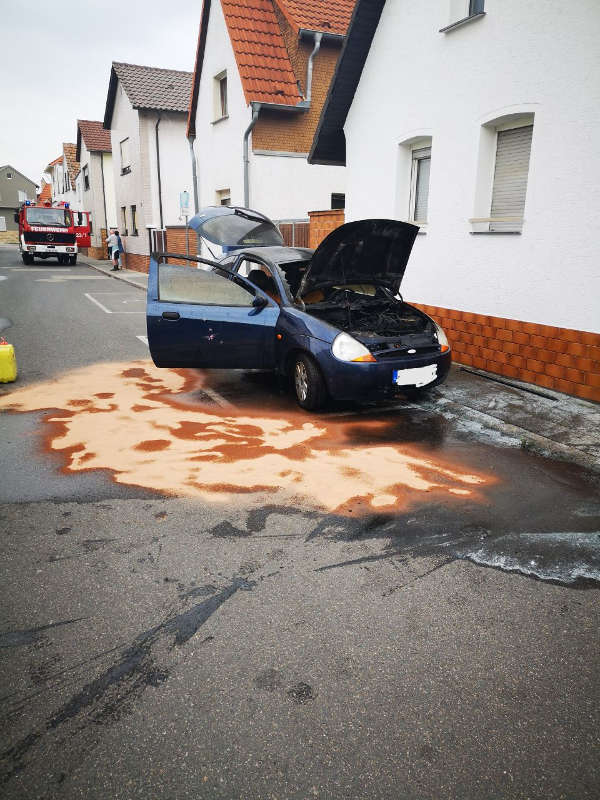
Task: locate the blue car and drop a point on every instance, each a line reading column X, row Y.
column 332, row 320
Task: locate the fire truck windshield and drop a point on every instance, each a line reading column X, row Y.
column 55, row 217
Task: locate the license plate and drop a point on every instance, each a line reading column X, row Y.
column 416, row 376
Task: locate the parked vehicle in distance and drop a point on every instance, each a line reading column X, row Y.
column 333, row 319
column 47, row 231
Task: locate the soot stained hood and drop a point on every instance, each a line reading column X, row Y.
column 366, row 251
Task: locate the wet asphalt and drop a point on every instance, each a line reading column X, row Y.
column 253, row 645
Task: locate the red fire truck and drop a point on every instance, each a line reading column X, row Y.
column 52, row 231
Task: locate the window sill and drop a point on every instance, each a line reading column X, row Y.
column 461, row 22
column 220, row 119
column 495, row 233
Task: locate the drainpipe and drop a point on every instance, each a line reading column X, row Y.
column 191, row 140
column 309, row 68
column 103, row 199
column 255, row 112
column 160, row 208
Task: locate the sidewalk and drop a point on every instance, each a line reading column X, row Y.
column 509, row 412
column 130, row 276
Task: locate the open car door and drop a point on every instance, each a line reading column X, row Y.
column 216, row 319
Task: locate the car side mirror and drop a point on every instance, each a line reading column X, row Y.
column 259, row 302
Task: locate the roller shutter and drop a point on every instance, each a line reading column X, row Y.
column 510, row 178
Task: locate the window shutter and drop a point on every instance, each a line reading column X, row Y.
column 510, row 178
column 423, row 167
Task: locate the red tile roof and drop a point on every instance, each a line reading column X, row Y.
column 261, row 55
column 53, row 163
column 329, row 16
column 96, row 138
column 46, row 192
column 259, row 46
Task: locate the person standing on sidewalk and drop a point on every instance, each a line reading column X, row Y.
column 120, row 249
column 112, row 243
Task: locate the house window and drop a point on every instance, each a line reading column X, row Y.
column 86, row 178
column 90, row 223
column 2, row 223
column 220, row 95
column 462, row 11
column 134, row 228
column 22, row 196
column 338, row 201
column 223, row 197
column 9, row 176
column 513, row 149
column 124, row 220
column 419, row 195
column 125, row 162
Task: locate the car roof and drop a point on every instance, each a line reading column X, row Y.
column 279, row 255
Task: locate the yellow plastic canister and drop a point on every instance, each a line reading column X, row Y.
column 8, row 363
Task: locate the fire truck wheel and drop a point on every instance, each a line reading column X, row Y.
column 27, row 259
column 72, row 260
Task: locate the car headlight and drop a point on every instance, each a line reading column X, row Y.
column 346, row 348
column 442, row 338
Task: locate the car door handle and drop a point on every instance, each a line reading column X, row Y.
column 174, row 315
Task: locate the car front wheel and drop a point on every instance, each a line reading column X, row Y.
column 72, row 260
column 308, row 383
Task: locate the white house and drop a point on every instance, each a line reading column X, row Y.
column 62, row 172
column 480, row 121
column 146, row 113
column 261, row 76
column 94, row 183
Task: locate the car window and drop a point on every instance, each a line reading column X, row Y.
column 261, row 276
column 187, row 285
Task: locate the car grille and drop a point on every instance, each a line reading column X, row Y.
column 398, row 352
column 33, row 237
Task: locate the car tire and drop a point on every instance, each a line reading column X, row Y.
column 72, row 260
column 309, row 385
column 27, row 259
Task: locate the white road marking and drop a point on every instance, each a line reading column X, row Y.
column 34, row 269
column 98, row 303
column 108, row 310
column 63, row 278
column 143, row 339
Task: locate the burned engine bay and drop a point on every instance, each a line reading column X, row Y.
column 369, row 312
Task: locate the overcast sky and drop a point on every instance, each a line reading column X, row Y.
column 56, row 61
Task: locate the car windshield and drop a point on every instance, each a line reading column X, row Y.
column 240, row 230
column 54, row 217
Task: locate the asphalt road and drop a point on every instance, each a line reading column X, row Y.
column 209, row 594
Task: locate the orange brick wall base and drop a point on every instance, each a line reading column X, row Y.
column 321, row 225
column 177, row 241
column 557, row 358
column 137, row 262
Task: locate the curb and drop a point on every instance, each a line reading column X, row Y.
column 533, row 442
column 109, row 274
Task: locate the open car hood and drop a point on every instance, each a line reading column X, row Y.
column 232, row 227
column 366, row 251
